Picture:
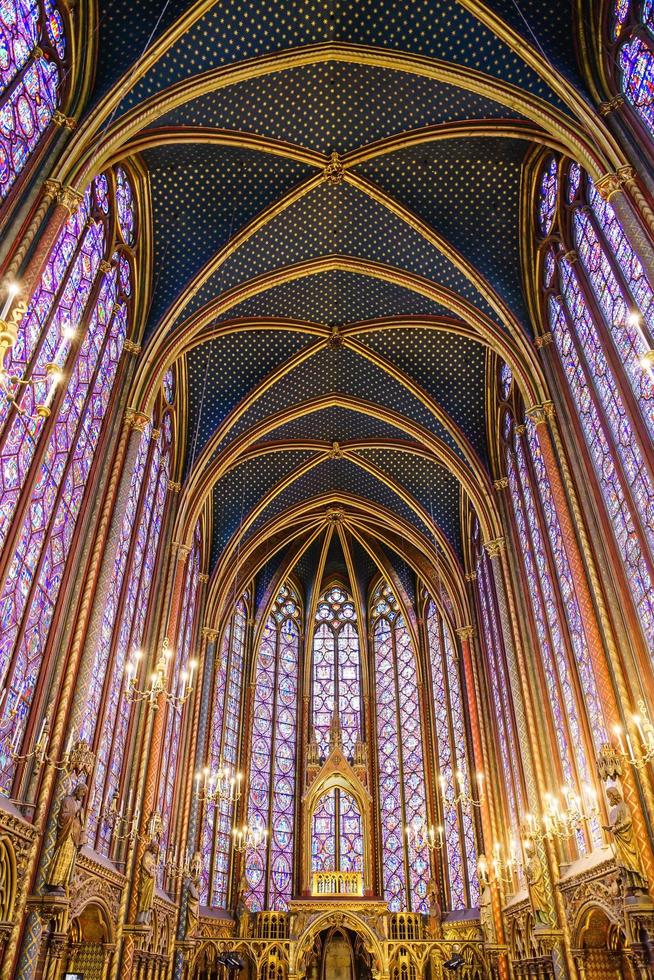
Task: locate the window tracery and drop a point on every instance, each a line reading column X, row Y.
column 599, row 309
column 630, row 49
column 77, row 319
column 336, row 671
column 272, row 782
column 32, row 70
column 402, row 794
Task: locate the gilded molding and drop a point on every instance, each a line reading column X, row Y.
column 209, row 634
column 130, row 347
column 334, row 172
column 470, row 576
column 611, row 105
column 175, row 486
column 66, row 122
column 495, row 547
column 104, row 266
column 570, row 256
column 180, row 549
column 203, row 577
column 544, row 340
column 502, row 483
column 612, row 183
column 69, row 198
column 136, row 420
column 540, row 414
column 51, row 189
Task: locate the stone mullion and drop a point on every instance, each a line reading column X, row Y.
column 613, row 668
column 489, row 830
column 152, row 745
column 192, row 837
column 604, row 676
column 45, row 810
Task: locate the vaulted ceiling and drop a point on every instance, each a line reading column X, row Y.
column 336, row 195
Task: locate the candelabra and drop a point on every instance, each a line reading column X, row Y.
column 248, row 838
column 222, row 786
column 461, row 796
column 419, row 835
column 177, row 869
column 77, row 755
column 563, row 820
column 127, row 828
column 157, row 686
column 500, row 869
column 644, row 747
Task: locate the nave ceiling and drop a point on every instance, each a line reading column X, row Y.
column 337, row 201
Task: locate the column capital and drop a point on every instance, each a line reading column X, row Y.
column 180, row 549
column 465, row 632
column 131, row 347
column 612, row 183
column 611, row 105
column 502, row 483
column 136, row 420
column 495, row 547
column 69, row 198
column 203, row 577
column 51, row 188
column 539, row 414
column 470, row 576
column 545, row 340
column 175, row 486
column 209, row 634
column 61, row 119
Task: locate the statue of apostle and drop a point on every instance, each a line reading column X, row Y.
column 193, row 897
column 625, row 846
column 147, row 875
column 536, row 885
column 434, row 914
column 70, row 838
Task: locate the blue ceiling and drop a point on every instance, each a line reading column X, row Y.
column 465, row 188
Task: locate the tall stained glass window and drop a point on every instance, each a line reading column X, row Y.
column 564, row 656
column 32, row 72
column 402, row 795
column 77, row 319
column 223, row 753
column 336, row 671
column 452, row 758
column 630, row 56
column 272, row 783
column 337, row 833
column 183, row 662
column 599, row 306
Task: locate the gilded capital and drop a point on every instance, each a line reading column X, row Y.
column 465, row 632
column 470, row 576
column 69, row 198
column 203, row 577
column 608, row 184
column 182, row 550
column 495, row 547
column 51, row 189
column 544, row 340
column 209, row 634
column 136, row 420
column 66, row 122
column 539, row 414
column 130, row 347
column 174, row 485
column 611, row 105
column 502, row 483
column 570, row 256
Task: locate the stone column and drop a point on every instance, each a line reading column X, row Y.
column 631, row 206
column 209, row 637
column 539, row 416
column 152, row 748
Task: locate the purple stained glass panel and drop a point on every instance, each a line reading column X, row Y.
column 125, row 206
column 636, row 66
column 19, row 31
column 549, row 184
column 24, row 117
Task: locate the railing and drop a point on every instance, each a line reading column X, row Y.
column 337, row 883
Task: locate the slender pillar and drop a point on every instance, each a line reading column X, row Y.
column 631, row 206
column 193, row 842
column 153, row 750
column 465, row 635
column 67, row 201
column 50, row 793
column 539, row 418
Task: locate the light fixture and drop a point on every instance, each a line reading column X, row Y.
column 563, row 818
column 225, row 785
column 157, row 684
column 248, row 837
column 461, row 797
column 419, row 835
column 500, row 869
column 644, row 752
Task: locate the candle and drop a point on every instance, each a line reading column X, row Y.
column 69, row 746
column 12, row 291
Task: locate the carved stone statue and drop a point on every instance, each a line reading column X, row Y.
column 625, row 846
column 486, row 919
column 193, row 897
column 434, row 915
column 147, row 875
column 242, row 911
column 535, row 876
column 70, row 838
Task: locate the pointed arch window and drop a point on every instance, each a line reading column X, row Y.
column 600, row 311
column 336, row 671
column 402, row 794
column 33, row 63
column 337, row 833
column 183, row 654
column 272, row 782
column 565, row 659
column 223, row 750
column 452, row 755
column 108, row 713
column 630, row 56
column 80, row 324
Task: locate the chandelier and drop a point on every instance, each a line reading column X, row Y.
column 248, row 837
column 643, row 753
column 501, row 868
column 461, row 797
column 225, row 785
column 563, row 818
column 419, row 836
column 157, row 685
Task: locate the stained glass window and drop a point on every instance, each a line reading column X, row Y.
column 548, row 195
column 337, row 833
column 32, row 51
column 402, row 796
column 92, row 306
column 604, row 294
column 223, row 752
column 336, row 671
column 460, row 846
column 124, row 622
column 182, row 655
column 630, row 49
column 272, row 790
